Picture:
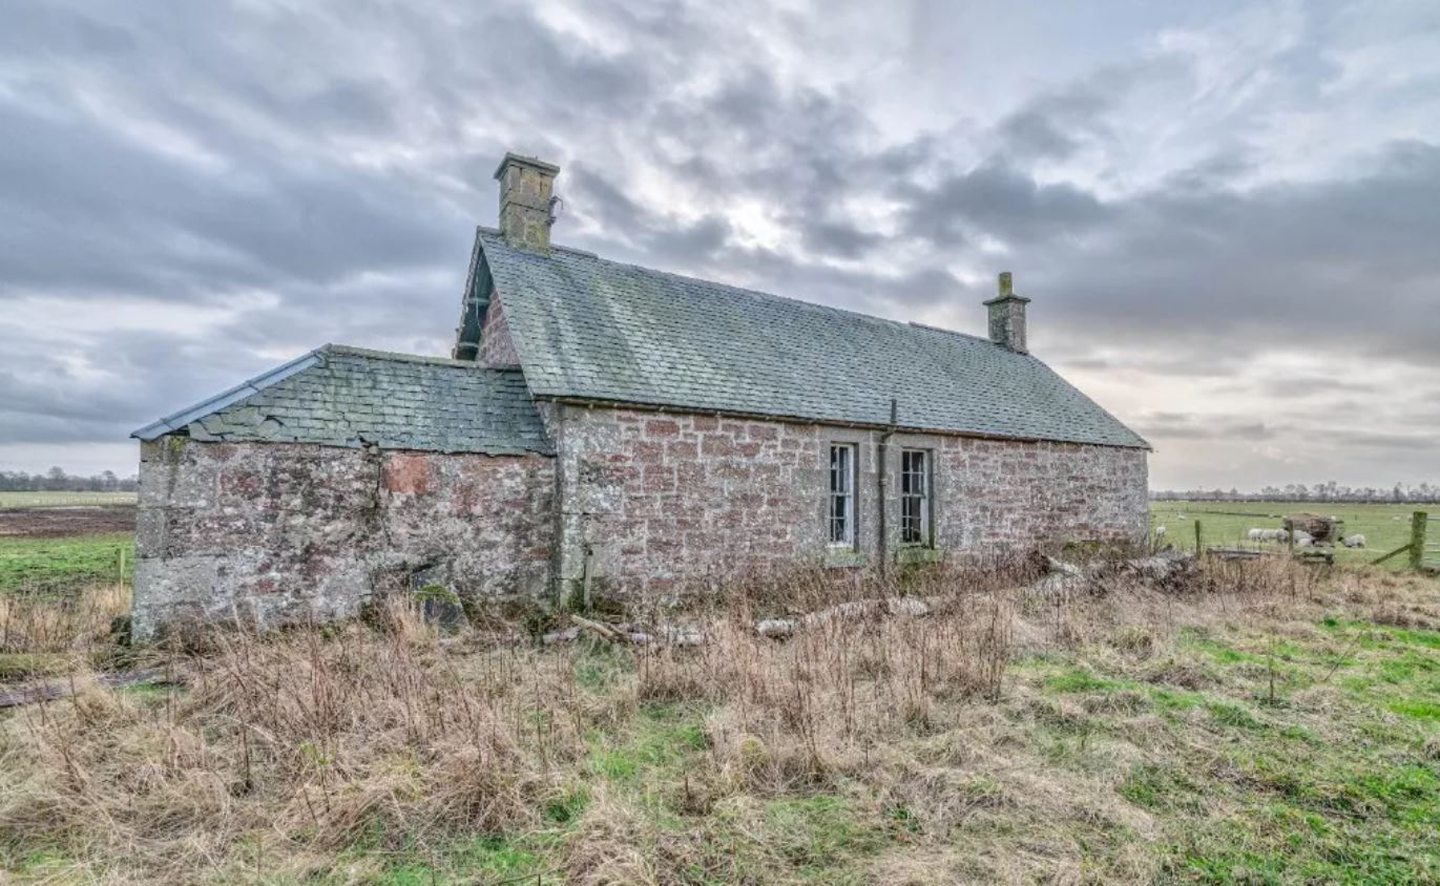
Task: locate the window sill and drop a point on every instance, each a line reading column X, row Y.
column 919, row 555
column 844, row 558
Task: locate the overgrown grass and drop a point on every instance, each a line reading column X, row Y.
column 1264, row 722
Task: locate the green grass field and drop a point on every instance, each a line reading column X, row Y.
column 1225, row 523
column 63, row 499
column 60, row 564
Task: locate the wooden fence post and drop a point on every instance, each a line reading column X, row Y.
column 1417, row 538
column 1197, row 537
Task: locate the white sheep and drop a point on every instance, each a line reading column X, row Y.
column 1353, row 541
column 1304, row 539
column 1267, row 535
column 1159, row 534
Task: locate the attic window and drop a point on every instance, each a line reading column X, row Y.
column 842, row 495
column 915, row 487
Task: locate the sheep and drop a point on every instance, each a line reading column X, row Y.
column 1267, row 535
column 1304, row 539
column 1159, row 534
column 1353, row 541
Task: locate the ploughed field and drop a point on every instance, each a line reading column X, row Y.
column 1260, row 721
column 1226, row 524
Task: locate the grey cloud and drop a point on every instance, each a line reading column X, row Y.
column 998, row 200
column 1382, row 440
column 1331, row 266
column 1189, row 426
column 839, row 238
column 346, row 151
column 1056, row 125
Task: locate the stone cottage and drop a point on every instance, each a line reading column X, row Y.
column 603, row 428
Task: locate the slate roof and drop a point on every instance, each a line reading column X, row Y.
column 590, row 329
column 343, row 396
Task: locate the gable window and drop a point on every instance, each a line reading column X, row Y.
column 915, row 500
column 842, row 494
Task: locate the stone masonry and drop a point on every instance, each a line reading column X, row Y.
column 658, row 503
column 497, row 348
column 269, row 533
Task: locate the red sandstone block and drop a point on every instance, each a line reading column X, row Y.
column 662, row 428
column 682, row 449
column 658, row 479
column 717, row 444
column 763, row 432
column 407, row 474
column 647, row 452
column 704, row 422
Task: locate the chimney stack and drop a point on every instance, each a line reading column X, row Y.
column 526, row 201
column 1007, row 316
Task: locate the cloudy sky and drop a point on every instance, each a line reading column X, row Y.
column 1227, row 214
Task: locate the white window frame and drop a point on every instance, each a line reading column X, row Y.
column 844, row 473
column 925, row 497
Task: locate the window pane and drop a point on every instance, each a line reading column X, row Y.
column 842, row 494
column 914, row 497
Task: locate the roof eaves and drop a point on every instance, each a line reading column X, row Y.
column 175, row 422
column 655, row 406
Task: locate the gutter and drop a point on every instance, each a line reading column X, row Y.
column 882, row 483
column 601, row 403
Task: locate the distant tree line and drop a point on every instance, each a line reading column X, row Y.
column 56, row 480
column 1400, row 493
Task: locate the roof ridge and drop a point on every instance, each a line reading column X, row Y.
column 554, row 247
column 743, row 290
column 401, row 357
column 956, row 332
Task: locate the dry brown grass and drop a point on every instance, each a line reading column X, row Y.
column 47, row 634
column 337, row 750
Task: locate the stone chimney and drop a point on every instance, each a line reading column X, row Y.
column 526, row 201
column 1007, row 316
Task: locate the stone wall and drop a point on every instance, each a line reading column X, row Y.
column 281, row 532
column 659, row 503
column 992, row 494
column 497, row 348
column 649, row 505
column 654, row 502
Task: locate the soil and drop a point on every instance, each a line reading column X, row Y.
column 66, row 521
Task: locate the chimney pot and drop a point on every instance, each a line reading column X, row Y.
column 1007, row 316
column 526, row 201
